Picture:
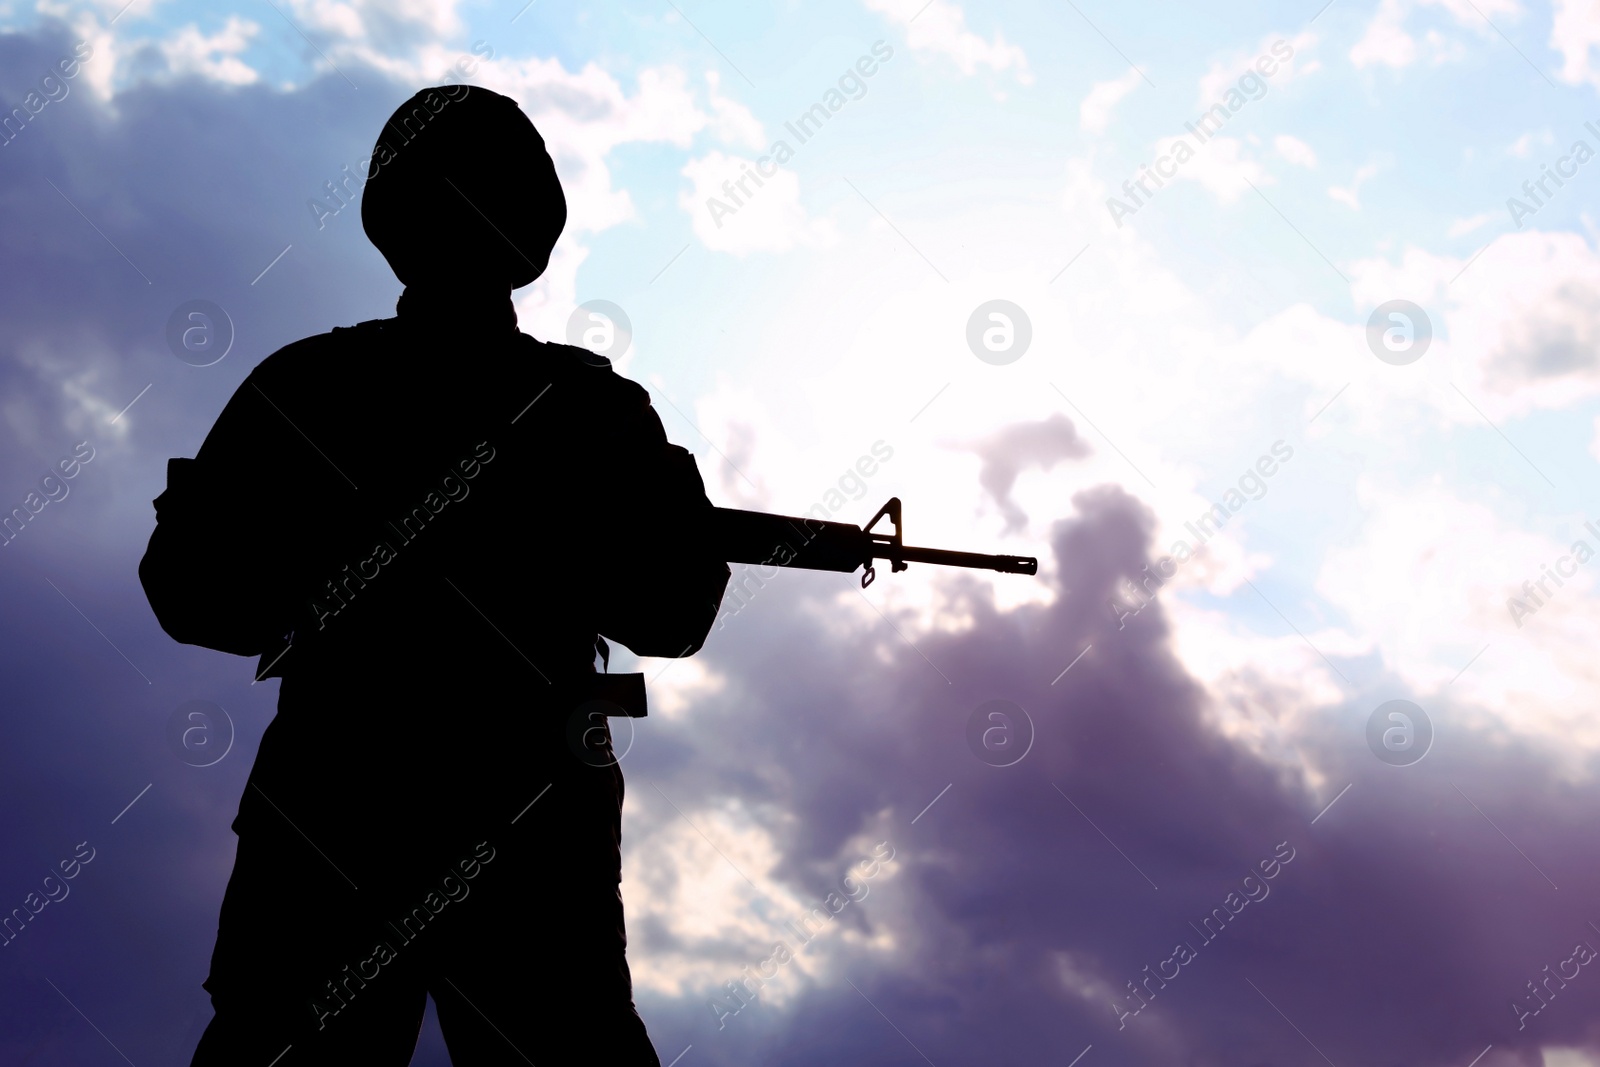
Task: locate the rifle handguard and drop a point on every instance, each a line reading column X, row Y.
column 820, row 544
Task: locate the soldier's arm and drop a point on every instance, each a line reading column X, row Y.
column 663, row 598
column 216, row 567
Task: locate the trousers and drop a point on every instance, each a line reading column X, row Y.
column 383, row 862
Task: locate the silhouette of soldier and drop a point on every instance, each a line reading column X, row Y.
column 423, row 525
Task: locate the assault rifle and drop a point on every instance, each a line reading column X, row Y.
column 774, row 540
column 821, row 545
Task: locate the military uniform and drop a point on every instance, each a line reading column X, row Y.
column 421, row 524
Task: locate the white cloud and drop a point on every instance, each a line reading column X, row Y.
column 1094, row 114
column 1387, row 42
column 583, row 115
column 1348, row 195
column 941, row 29
column 1523, row 146
column 1295, row 151
column 544, row 307
column 98, row 71
column 1575, row 33
column 1081, row 187
column 1518, row 332
column 1224, row 75
column 215, row 57
column 1568, row 1057
column 1222, row 168
column 1428, row 580
column 733, row 122
column 380, row 22
column 1473, row 12
column 1465, row 226
column 765, row 217
column 711, row 877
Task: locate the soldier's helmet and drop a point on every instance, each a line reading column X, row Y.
column 461, row 187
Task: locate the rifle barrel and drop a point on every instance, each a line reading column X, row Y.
column 945, row 557
column 819, row 544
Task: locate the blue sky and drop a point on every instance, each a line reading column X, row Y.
column 1385, row 560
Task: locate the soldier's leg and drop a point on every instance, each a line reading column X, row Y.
column 534, row 967
column 296, row 972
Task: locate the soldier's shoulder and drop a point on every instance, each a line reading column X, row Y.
column 573, row 357
column 581, row 367
column 320, row 352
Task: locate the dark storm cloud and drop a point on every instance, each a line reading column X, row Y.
column 1018, row 447
column 1400, row 931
